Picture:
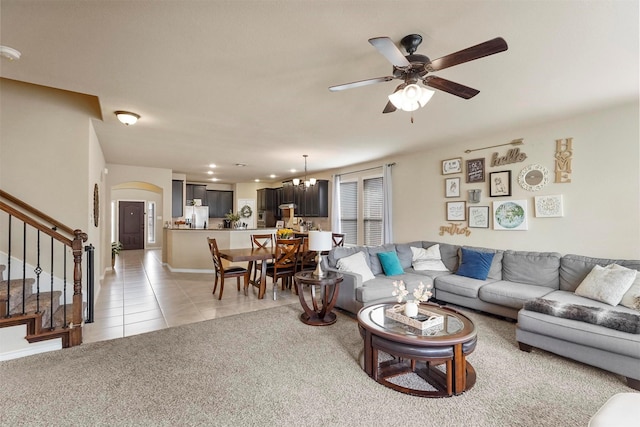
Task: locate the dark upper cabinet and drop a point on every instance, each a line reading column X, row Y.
column 176, row 198
column 196, row 191
column 267, row 200
column 219, row 202
column 310, row 202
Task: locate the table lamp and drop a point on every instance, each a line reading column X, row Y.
column 319, row 241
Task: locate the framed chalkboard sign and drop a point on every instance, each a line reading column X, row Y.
column 475, row 170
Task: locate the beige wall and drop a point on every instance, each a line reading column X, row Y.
column 601, row 204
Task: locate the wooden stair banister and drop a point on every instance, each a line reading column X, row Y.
column 72, row 334
column 27, row 207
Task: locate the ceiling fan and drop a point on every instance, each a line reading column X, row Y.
column 414, row 68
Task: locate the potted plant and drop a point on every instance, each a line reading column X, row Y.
column 232, row 218
column 116, row 247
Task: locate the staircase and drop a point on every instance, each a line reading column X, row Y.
column 46, row 304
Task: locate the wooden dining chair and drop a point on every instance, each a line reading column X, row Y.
column 338, row 239
column 223, row 273
column 306, row 258
column 286, row 257
column 260, row 241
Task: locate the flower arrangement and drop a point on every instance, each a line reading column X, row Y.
column 233, row 217
column 285, row 233
column 421, row 294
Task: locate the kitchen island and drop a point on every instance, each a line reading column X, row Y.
column 186, row 250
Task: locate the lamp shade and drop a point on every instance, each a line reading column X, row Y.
column 320, row 241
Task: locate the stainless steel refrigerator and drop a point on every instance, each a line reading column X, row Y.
column 197, row 215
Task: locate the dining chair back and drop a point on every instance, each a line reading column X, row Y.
column 260, row 241
column 338, row 239
column 222, row 273
column 284, row 265
column 306, row 258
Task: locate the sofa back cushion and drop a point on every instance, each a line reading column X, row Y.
column 344, row 251
column 574, row 268
column 404, row 252
column 448, row 254
column 532, row 268
column 374, row 262
column 495, row 272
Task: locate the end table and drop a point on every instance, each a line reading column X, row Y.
column 320, row 314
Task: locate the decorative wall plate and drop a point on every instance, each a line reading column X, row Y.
column 96, row 205
column 533, row 177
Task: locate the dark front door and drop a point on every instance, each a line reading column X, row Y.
column 131, row 230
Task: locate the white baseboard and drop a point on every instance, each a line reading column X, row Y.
column 35, row 348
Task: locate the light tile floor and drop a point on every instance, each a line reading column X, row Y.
column 141, row 295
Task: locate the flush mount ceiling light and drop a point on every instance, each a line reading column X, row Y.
column 10, row 53
column 127, row 117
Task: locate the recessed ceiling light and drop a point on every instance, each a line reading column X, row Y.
column 214, row 179
column 292, row 171
column 241, row 165
column 210, row 172
column 10, row 53
column 212, row 165
column 256, row 180
column 272, row 176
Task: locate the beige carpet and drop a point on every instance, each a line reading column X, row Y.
column 267, row 368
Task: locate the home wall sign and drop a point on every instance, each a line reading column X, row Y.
column 452, row 166
column 513, row 156
column 454, row 229
column 533, row 177
column 475, row 170
column 564, row 153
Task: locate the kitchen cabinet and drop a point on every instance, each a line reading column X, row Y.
column 177, row 204
column 219, row 202
column 267, row 200
column 196, row 191
column 310, row 202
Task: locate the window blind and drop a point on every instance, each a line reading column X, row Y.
column 372, row 211
column 349, row 211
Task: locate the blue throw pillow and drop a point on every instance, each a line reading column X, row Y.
column 390, row 263
column 475, row 264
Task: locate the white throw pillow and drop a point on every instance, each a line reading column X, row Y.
column 607, row 284
column 356, row 263
column 427, row 259
column 631, row 298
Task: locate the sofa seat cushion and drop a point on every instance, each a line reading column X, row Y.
column 582, row 333
column 429, row 273
column 380, row 287
column 460, row 285
column 511, row 294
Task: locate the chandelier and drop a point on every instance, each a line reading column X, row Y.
column 307, row 182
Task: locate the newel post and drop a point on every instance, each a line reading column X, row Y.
column 75, row 336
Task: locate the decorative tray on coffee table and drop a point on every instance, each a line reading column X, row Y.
column 424, row 320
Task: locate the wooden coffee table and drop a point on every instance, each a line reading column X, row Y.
column 419, row 352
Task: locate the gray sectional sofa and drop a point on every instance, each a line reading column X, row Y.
column 516, row 280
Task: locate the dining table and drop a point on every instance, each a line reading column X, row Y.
column 253, row 255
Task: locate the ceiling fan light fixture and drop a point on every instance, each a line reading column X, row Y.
column 411, row 97
column 126, row 117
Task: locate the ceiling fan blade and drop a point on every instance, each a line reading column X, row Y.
column 450, row 87
column 360, row 83
column 469, row 54
column 389, row 108
column 390, row 51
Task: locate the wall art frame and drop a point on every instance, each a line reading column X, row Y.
column 510, row 215
column 500, row 184
column 475, row 170
column 452, row 187
column 548, row 206
column 456, row 211
column 479, row 216
column 450, row 166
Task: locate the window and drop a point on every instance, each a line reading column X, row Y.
column 361, row 207
column 151, row 222
column 349, row 212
